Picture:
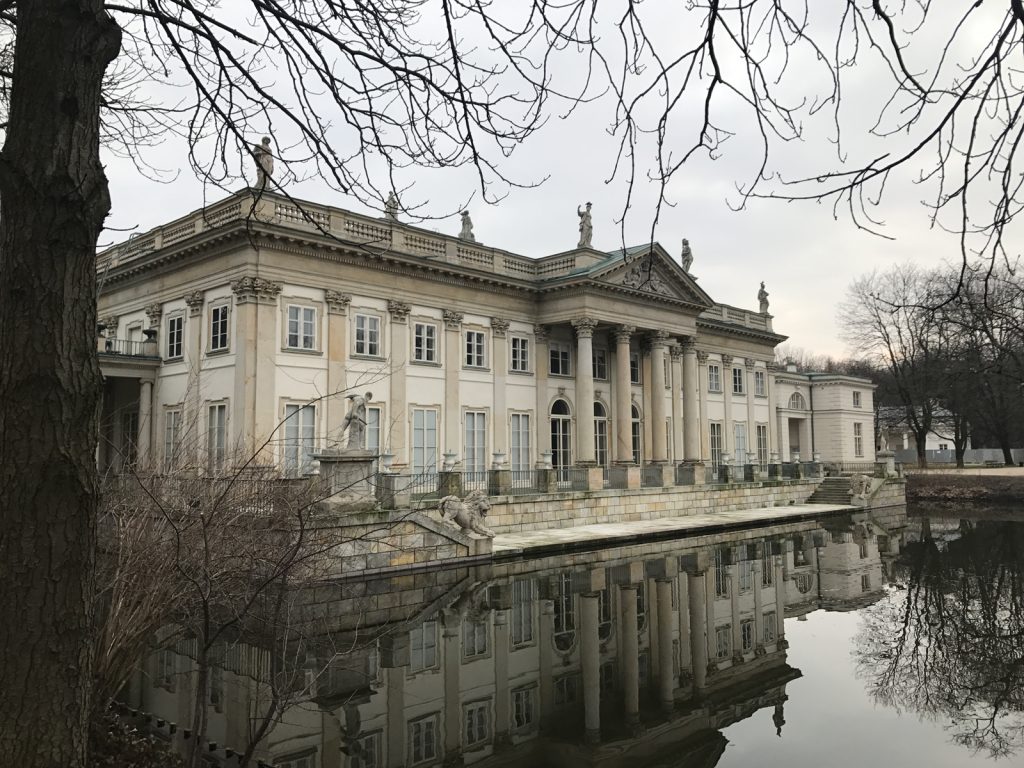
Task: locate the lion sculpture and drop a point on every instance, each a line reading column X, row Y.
column 860, row 486
column 467, row 514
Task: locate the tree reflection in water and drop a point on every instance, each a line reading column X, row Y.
column 948, row 643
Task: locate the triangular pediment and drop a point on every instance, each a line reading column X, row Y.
column 652, row 271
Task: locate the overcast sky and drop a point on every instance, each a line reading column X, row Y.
column 805, row 256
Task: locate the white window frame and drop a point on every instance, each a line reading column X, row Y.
column 422, row 750
column 714, row 377
column 739, row 441
column 216, row 435
column 173, row 421
column 760, row 384
column 423, row 452
column 475, row 349
column 475, row 640
column 476, row 723
column 220, row 327
column 524, row 596
column 600, row 364
column 738, row 381
column 519, row 349
column 636, row 369
column 856, row 400
column 716, row 441
column 175, row 346
column 369, row 753
column 858, row 439
column 299, row 439
column 723, row 641
column 524, row 707
column 374, row 422
column 474, row 442
column 747, row 630
column 423, row 647
column 424, row 342
column 559, row 352
column 519, row 455
column 300, row 332
column 761, row 440
column 366, row 333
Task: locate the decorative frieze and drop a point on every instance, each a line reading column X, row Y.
column 499, row 327
column 255, row 290
column 194, row 300
column 337, row 302
column 399, row 311
column 453, row 319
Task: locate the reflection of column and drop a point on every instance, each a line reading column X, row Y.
column 501, row 692
column 337, row 355
column 728, row 433
column 676, row 388
column 705, row 447
column 393, row 439
column 630, row 652
column 691, row 402
column 623, row 402
column 590, row 659
column 666, row 682
column 780, row 595
column 143, row 441
column 585, row 389
column 544, row 651
column 758, row 598
column 542, row 427
column 698, row 626
column 395, row 681
column 499, row 367
column 452, row 374
column 451, row 646
column 659, row 448
column 683, row 593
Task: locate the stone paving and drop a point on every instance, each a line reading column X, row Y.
column 614, row 534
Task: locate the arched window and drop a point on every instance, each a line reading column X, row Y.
column 638, row 435
column 561, row 440
column 600, row 434
column 797, row 402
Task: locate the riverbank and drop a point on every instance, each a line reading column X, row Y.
column 996, row 485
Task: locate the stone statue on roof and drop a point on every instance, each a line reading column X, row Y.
column 687, row 256
column 762, row 298
column 264, row 162
column 391, row 207
column 467, row 228
column 586, row 228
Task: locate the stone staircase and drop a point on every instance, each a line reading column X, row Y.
column 832, row 490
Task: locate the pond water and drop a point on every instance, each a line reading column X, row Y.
column 881, row 639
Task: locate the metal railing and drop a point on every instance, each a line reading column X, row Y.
column 834, row 468
column 573, row 478
column 525, row 481
column 420, row 486
column 650, row 476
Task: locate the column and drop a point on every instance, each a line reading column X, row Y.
column 696, row 594
column 585, row 389
column 666, row 678
column 452, row 660
column 337, row 355
column 623, row 402
column 502, row 696
column 541, row 426
column 499, row 368
column 659, row 452
column 683, row 592
column 393, row 430
column 748, row 366
column 630, row 652
column 545, row 654
column 728, row 436
column 692, row 417
column 194, row 360
column 257, row 340
column 702, row 377
column 590, row 660
column 676, row 354
column 773, row 431
column 144, row 440
column 452, row 370
column 758, row 597
column 395, row 682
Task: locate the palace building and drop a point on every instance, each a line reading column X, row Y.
column 245, row 326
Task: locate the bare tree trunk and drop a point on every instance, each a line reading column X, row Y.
column 922, row 454
column 54, row 200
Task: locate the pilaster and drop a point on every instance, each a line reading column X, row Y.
column 540, row 366
column 676, row 388
column 590, row 661
column 337, row 357
column 452, row 374
column 194, row 359
column 254, row 408
column 394, row 440
column 623, row 402
column 728, row 434
column 499, row 368
column 704, row 445
column 659, row 447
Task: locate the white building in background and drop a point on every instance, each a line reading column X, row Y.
column 246, row 324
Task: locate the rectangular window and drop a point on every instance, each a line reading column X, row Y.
column 737, row 381
column 634, row 368
column 760, row 384
column 474, row 639
column 301, row 327
column 856, row 399
column 601, row 364
column 373, row 416
column 476, row 720
column 475, row 447
column 524, row 707
column 423, row 647
column 739, row 432
column 172, row 436
column 519, row 442
column 424, row 343
column 424, row 440
column 769, row 627
column 858, row 439
column 520, row 354
column 560, row 357
column 475, row 349
column 368, row 335
column 722, row 561
column 746, row 575
column 523, row 596
column 216, row 436
column 723, row 641
column 423, row 740
column 219, row 327
column 747, row 634
column 299, row 439
column 762, row 444
column 567, row 690
column 767, row 566
column 716, row 444
column 714, row 378
column 865, row 583
column 367, row 754
column 175, row 336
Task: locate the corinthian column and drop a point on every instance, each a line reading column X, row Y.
column 691, row 404
column 659, row 451
column 585, row 389
column 452, row 372
column 623, row 403
column 676, row 387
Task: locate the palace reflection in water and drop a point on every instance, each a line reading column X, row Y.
column 623, row 656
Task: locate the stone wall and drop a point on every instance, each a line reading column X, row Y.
column 893, row 493
column 514, row 514
column 936, row 487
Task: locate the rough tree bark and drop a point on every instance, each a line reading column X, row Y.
column 54, row 200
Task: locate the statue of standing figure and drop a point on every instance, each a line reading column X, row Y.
column 355, row 421
column 467, row 228
column 264, row 162
column 391, row 207
column 586, row 227
column 762, row 298
column 687, row 256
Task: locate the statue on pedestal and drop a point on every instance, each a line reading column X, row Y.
column 467, row 228
column 355, row 421
column 391, row 207
column 687, row 256
column 264, row 162
column 586, row 227
column 762, row 298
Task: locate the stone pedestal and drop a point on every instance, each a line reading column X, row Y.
column 727, row 473
column 349, row 476
column 595, row 478
column 775, row 471
column 547, row 480
column 391, row 492
column 624, row 476
column 887, row 462
column 749, row 473
column 499, row 482
column 691, row 473
column 449, row 484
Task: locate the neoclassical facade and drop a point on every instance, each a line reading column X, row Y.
column 243, row 328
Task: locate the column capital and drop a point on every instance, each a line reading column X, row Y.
column 109, row 322
column 675, row 351
column 154, row 312
column 726, row 360
column 702, row 357
column 399, row 311
column 584, row 327
column 688, row 343
column 255, row 290
column 452, row 319
column 194, row 300
column 541, row 332
column 749, row 362
column 337, row 302
column 658, row 338
column 623, row 333
column 499, row 327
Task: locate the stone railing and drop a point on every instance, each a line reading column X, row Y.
column 376, row 233
column 735, row 316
